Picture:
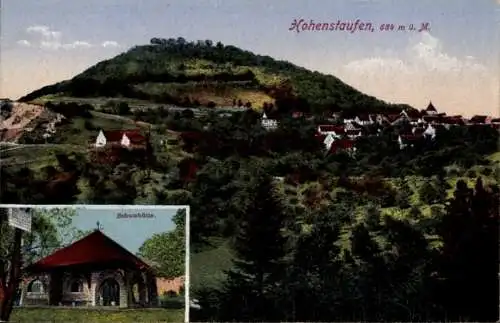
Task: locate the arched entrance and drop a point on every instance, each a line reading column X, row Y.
column 109, row 293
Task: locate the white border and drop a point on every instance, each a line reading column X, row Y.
column 131, row 207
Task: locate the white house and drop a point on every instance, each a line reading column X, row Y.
column 430, row 132
column 329, row 140
column 335, row 131
column 364, row 120
column 125, row 142
column 101, row 140
column 267, row 123
column 114, row 136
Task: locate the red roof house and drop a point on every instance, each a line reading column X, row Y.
column 124, row 138
column 325, row 129
column 479, row 119
column 93, row 271
column 134, row 136
column 342, row 144
column 94, row 249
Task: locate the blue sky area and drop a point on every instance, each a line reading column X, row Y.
column 455, row 64
column 128, row 232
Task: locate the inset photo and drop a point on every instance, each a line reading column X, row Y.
column 94, row 263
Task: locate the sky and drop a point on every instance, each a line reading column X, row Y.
column 455, row 64
column 128, row 232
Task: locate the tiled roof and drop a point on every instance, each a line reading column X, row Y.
column 330, row 128
column 95, row 248
column 134, row 136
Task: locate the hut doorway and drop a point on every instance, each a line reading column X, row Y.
column 109, row 293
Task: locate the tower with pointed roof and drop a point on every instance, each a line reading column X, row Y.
column 431, row 109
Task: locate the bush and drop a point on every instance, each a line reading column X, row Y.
column 471, row 173
column 88, row 125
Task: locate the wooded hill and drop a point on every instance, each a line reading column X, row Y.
column 175, row 71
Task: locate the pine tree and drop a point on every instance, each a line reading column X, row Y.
column 259, row 267
column 469, row 266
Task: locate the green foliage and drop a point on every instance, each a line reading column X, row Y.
column 51, row 230
column 183, row 63
column 167, row 251
column 249, row 292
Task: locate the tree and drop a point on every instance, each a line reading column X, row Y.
column 166, row 250
column 123, row 108
column 249, row 294
column 468, row 263
column 428, row 193
column 404, row 194
column 44, row 238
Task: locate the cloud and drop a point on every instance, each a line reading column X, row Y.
column 77, row 44
column 424, row 53
column 46, row 38
column 424, row 70
column 45, row 32
column 109, row 43
column 24, row 42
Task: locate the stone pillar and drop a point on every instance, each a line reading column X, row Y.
column 125, row 290
column 94, row 288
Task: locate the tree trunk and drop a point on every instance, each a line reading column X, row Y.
column 8, row 288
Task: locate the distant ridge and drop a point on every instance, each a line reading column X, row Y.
column 175, row 71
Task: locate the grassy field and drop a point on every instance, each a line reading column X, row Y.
column 207, row 267
column 39, row 315
column 221, row 94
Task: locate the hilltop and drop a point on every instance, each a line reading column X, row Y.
column 175, row 71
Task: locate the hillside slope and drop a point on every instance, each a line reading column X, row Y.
column 174, row 71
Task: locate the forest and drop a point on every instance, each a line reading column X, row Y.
column 385, row 234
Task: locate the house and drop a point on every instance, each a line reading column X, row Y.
column 480, row 119
column 495, row 123
column 347, row 145
column 418, row 131
column 454, row 120
column 329, row 140
column 336, row 131
column 336, row 115
column 364, row 120
column 381, row 119
column 412, row 116
column 93, row 271
column 269, row 124
column 407, row 140
column 166, row 286
column 392, row 117
column 430, row 110
column 432, row 119
column 352, row 131
column 430, row 132
column 123, row 138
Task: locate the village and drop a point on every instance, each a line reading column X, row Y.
column 336, row 132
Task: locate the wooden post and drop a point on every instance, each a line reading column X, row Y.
column 9, row 287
